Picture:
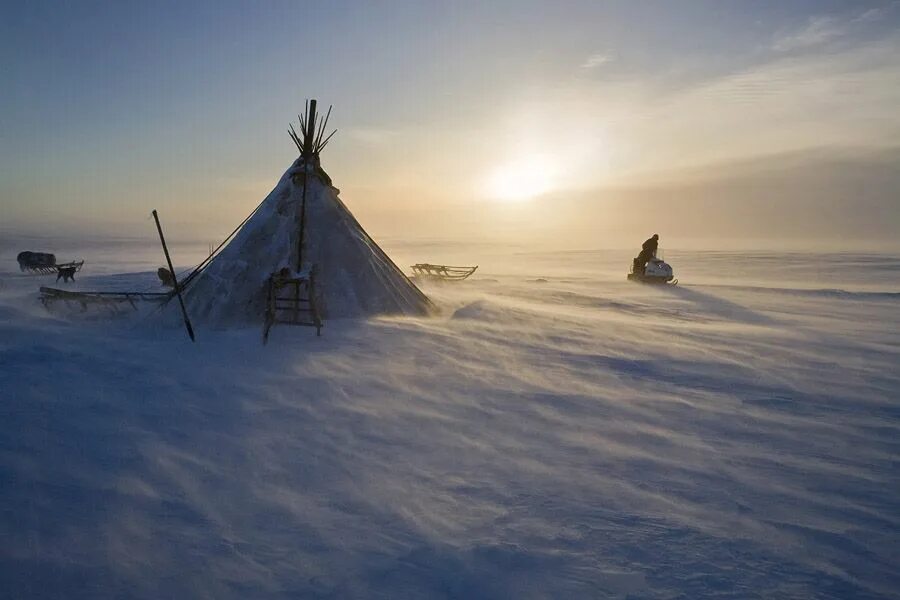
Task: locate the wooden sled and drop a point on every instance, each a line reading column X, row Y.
column 110, row 300
column 442, row 272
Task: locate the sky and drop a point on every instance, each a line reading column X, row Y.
column 569, row 124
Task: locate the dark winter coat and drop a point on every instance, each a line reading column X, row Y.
column 650, row 246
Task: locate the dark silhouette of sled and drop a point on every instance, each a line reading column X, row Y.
column 442, row 272
column 108, row 300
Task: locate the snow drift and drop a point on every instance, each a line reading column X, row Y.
column 584, row 437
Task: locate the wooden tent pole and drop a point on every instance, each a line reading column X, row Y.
column 302, row 226
column 310, row 134
column 307, row 161
column 187, row 321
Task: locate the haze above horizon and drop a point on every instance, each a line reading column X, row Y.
column 556, row 123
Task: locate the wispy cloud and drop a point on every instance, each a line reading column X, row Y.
column 787, row 103
column 874, row 14
column 597, row 60
column 820, row 30
column 817, row 31
column 845, row 98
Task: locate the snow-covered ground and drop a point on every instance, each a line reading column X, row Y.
column 556, row 432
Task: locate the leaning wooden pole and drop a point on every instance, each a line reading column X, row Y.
column 187, row 321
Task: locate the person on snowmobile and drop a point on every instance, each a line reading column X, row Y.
column 648, row 251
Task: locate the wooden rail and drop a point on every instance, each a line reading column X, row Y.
column 49, row 295
column 442, row 272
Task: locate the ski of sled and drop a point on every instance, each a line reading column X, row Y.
column 108, row 299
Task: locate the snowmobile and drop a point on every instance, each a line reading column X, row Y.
column 656, row 271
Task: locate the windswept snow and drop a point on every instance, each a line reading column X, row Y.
column 737, row 436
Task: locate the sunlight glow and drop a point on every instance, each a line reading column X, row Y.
column 521, row 179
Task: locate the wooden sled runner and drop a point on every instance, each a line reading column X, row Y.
column 442, row 272
column 110, row 300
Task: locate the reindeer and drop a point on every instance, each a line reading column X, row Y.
column 67, row 273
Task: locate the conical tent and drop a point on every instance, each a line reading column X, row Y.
column 302, row 229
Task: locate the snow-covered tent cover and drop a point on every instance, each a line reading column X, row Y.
column 301, row 228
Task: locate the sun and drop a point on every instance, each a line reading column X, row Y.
column 521, row 179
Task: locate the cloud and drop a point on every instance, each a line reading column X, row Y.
column 845, row 98
column 788, row 102
column 822, row 29
column 597, row 60
column 874, row 14
column 817, row 31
